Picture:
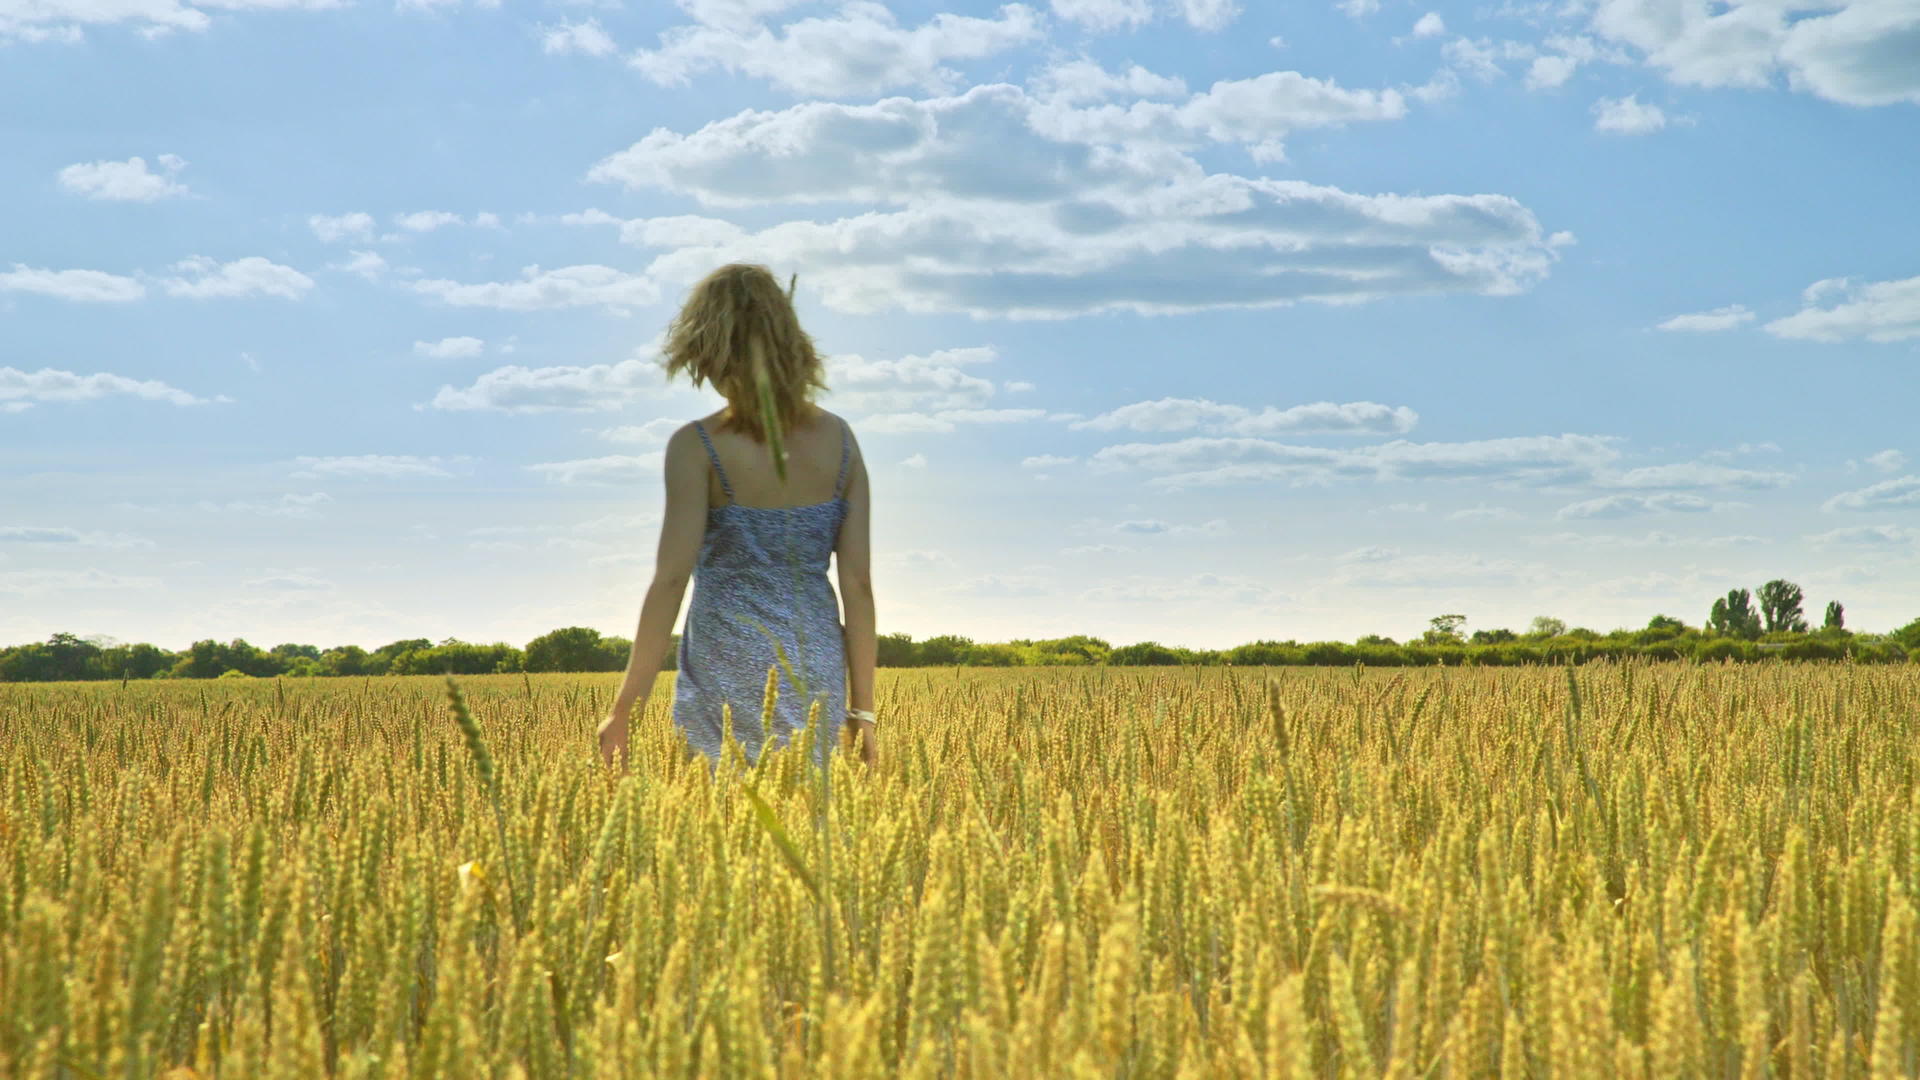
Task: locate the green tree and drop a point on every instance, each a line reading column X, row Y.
column 1733, row 616
column 1143, row 653
column 1546, row 626
column 1836, row 616
column 1444, row 630
column 1908, row 636
column 897, row 650
column 1780, row 606
column 944, row 650
column 573, row 648
column 1497, row 636
column 1375, row 639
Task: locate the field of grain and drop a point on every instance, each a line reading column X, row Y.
column 1639, row 870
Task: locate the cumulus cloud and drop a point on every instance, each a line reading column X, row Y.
column 586, row 38
column 1901, row 491
column 931, row 393
column 1213, row 461
column 125, row 181
column 452, row 348
column 859, row 50
column 1386, row 568
column 1209, row 15
column 1619, row 506
column 1888, row 460
column 1320, row 417
column 67, row 20
column 252, row 276
column 1627, row 116
column 90, row 286
column 366, row 264
column 1205, row 588
column 1046, row 461
column 291, row 505
column 1855, row 52
column 1689, row 474
column 32, row 534
column 379, row 466
column 43, row 582
column 1104, row 14
column 537, row 290
column 999, row 203
column 357, row 225
column 1867, row 536
column 611, row 469
column 562, row 388
column 1722, row 318
column 1839, row 309
column 652, row 433
column 1429, row 25
column 24, row 389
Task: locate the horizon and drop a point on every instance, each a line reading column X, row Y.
column 1187, row 321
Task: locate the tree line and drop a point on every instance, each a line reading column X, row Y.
column 1740, row 626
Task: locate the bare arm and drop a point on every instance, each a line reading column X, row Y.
column 682, row 528
column 853, row 557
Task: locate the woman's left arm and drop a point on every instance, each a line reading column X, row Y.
column 682, row 527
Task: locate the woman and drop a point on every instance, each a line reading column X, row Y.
column 755, row 544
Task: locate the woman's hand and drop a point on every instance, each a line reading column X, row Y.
column 869, row 751
column 613, row 739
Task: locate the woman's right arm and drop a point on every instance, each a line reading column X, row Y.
column 854, row 559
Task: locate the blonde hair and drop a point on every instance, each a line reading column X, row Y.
column 739, row 332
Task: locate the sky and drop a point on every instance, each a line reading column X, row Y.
column 1194, row 321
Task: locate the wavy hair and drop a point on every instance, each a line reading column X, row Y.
column 739, row 332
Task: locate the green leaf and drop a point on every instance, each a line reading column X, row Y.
column 783, row 842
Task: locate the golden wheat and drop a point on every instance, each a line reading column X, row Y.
column 1621, row 870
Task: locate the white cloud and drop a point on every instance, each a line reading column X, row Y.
column 1320, row 417
column 31, row 534
column 1205, row 588
column 1157, row 527
column 125, row 181
column 357, row 225
column 382, row 466
column 426, row 220
column 1013, row 206
column 1691, row 475
column 251, row 276
column 1001, row 587
column 611, row 469
column 1104, row 15
column 860, row 50
column 1855, row 52
column 586, row 38
column 20, row 389
column 1212, row 461
column 1868, row 536
column 1548, row 72
column 914, row 461
column 66, row 21
column 587, row 387
column 1209, row 15
column 538, row 290
column 452, row 348
column 367, row 264
column 1358, row 9
column 652, row 433
column 1429, row 25
column 1619, row 506
column 1888, row 460
column 1721, row 318
column 1483, row 512
column 290, row 505
column 1879, row 311
column 1902, row 491
column 94, row 286
column 1627, row 116
column 1395, row 571
column 1046, row 461
column 43, row 582
column 944, row 420
column 1080, row 82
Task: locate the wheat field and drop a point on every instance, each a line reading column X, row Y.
column 1631, row 870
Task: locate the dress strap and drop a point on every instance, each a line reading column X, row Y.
column 846, row 455
column 715, row 458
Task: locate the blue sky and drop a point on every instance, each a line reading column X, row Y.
column 1198, row 321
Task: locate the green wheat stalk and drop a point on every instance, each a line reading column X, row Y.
column 483, row 764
